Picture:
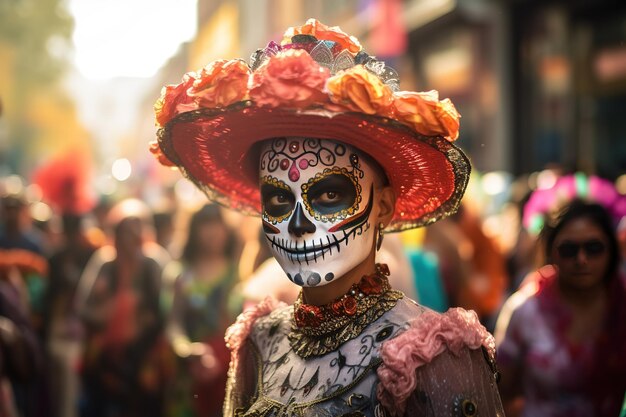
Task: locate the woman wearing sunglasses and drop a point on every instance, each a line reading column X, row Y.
column 563, row 351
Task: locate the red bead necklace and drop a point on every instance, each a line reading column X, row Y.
column 355, row 301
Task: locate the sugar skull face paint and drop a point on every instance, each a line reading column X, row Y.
column 317, row 197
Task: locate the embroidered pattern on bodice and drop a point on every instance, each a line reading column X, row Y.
column 339, row 383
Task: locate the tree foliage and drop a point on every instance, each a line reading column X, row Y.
column 35, row 50
column 39, row 31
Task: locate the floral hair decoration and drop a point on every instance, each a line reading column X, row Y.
column 544, row 204
column 318, row 82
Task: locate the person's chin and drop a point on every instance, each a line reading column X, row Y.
column 584, row 280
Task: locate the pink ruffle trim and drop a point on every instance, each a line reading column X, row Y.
column 429, row 335
column 237, row 333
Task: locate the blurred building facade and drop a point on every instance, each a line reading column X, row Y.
column 569, row 97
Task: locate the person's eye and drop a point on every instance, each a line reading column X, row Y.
column 332, row 194
column 279, row 199
column 277, row 202
column 328, row 197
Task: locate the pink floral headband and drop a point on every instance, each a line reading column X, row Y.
column 544, row 204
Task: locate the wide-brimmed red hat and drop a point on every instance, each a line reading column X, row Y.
column 317, row 83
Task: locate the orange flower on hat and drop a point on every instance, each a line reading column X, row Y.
column 221, row 83
column 175, row 100
column 323, row 32
column 426, row 114
column 291, row 79
column 358, row 89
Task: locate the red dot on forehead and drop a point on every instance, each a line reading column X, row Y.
column 284, row 164
column 303, row 163
column 294, row 146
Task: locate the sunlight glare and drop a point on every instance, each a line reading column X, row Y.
column 116, row 38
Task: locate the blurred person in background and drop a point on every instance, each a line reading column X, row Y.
column 164, row 228
column 424, row 266
column 204, row 304
column 447, row 243
column 523, row 257
column 18, row 240
column 473, row 270
column 485, row 287
column 64, row 335
column 124, row 365
column 562, row 353
column 15, row 232
column 24, row 267
column 20, row 355
column 64, row 182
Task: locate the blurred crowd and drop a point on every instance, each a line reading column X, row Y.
column 117, row 309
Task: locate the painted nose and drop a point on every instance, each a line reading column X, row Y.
column 299, row 224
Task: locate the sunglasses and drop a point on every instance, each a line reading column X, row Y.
column 591, row 248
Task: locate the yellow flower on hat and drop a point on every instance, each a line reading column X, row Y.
column 357, row 89
column 426, row 114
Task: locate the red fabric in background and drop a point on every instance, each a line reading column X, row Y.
column 65, row 182
column 388, row 37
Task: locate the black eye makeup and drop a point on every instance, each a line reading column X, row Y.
column 277, row 199
column 332, row 195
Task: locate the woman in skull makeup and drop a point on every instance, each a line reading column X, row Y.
column 314, row 136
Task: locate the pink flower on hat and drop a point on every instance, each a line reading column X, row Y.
column 291, row 79
column 426, row 114
column 221, row 83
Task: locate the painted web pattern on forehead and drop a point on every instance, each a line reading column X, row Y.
column 292, row 155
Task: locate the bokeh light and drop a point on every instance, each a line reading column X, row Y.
column 121, row 169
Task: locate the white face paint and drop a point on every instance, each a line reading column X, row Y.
column 317, row 198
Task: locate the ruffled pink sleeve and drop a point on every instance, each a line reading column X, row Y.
column 450, row 338
column 241, row 378
column 237, row 333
